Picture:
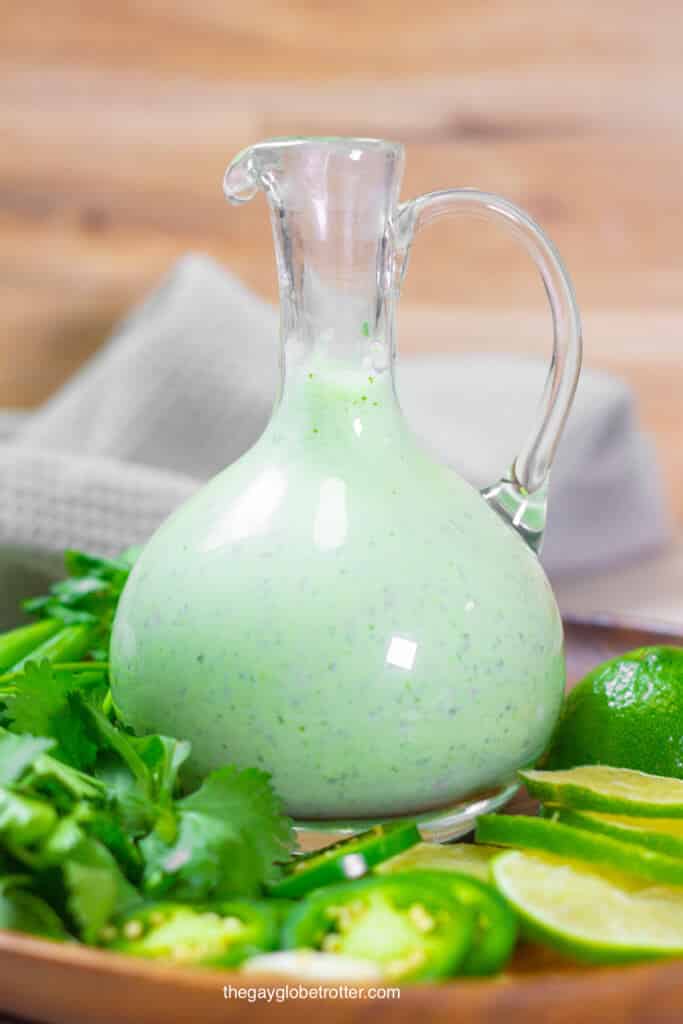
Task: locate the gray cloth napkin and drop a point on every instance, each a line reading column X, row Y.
column 186, row 384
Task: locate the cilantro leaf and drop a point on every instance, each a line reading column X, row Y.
column 96, row 887
column 80, row 876
column 163, row 756
column 105, row 826
column 60, row 844
column 23, row 911
column 247, row 800
column 231, row 835
column 62, row 783
column 133, row 808
column 79, row 564
column 115, row 739
column 24, row 820
column 17, row 753
column 140, row 772
column 90, row 592
column 75, row 745
column 42, row 705
column 194, row 867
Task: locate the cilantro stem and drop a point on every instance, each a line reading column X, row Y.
column 70, row 666
column 71, row 643
column 82, row 666
column 108, row 705
column 18, row 643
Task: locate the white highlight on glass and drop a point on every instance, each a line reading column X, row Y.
column 401, row 652
column 357, row 426
column 321, row 212
column 331, row 519
column 251, row 513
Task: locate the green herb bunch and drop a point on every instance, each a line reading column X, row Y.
column 93, row 819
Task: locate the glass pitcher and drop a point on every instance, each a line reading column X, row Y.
column 337, row 607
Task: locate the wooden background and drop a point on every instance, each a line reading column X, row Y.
column 117, row 119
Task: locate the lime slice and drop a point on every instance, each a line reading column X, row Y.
column 601, row 788
column 465, row 858
column 662, row 834
column 549, row 836
column 598, row 916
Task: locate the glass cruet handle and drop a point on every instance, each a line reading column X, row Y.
column 520, row 496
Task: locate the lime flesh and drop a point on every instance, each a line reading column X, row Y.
column 594, row 915
column 465, row 858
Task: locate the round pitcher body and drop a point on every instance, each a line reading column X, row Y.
column 337, row 607
column 346, row 613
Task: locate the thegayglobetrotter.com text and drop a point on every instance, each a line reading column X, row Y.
column 280, row 993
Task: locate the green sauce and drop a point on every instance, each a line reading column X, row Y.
column 341, row 610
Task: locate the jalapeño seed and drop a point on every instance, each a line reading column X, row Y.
column 133, row 929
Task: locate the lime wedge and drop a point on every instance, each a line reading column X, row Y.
column 593, row 915
column 662, row 834
column 601, row 788
column 465, row 858
column 548, row 836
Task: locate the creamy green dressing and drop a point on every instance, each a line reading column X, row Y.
column 341, row 610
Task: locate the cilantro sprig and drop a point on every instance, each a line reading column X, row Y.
column 93, row 819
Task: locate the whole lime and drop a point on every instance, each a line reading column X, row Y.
column 628, row 713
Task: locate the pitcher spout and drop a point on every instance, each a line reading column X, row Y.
column 241, row 179
column 284, row 161
column 332, row 204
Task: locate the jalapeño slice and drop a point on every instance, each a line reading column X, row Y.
column 495, row 922
column 346, row 860
column 218, row 934
column 495, row 925
column 411, row 925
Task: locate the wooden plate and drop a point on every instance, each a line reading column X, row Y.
column 56, row 984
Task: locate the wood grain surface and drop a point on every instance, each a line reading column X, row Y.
column 117, row 120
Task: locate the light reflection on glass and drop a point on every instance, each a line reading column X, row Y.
column 251, row 514
column 320, row 208
column 331, row 520
column 357, row 426
column 401, row 652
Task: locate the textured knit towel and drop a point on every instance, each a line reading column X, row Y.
column 186, row 384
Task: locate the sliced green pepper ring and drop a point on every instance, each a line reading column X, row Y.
column 495, row 924
column 346, row 860
column 411, row 924
column 219, row 934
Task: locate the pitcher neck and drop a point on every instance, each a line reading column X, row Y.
column 331, row 203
